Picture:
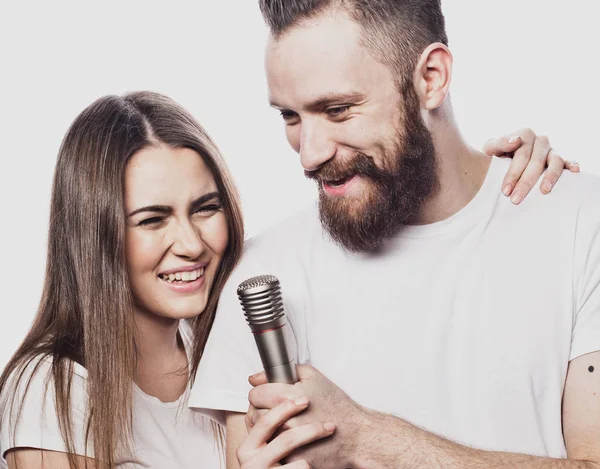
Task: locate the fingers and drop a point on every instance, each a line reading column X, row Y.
column 266, row 425
column 502, row 145
column 257, row 452
column 521, row 159
column 572, row 166
column 556, row 166
column 299, row 464
column 252, row 416
column 293, row 439
column 533, row 170
column 258, row 379
column 270, row 395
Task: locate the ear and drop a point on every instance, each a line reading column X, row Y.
column 432, row 75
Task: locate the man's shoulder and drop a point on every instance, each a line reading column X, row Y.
column 283, row 249
column 577, row 189
column 289, row 233
column 572, row 193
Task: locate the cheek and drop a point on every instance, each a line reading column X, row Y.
column 143, row 251
column 215, row 234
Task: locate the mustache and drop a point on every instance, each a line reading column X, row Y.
column 360, row 164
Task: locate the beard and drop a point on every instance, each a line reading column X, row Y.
column 394, row 195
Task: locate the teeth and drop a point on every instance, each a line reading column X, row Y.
column 183, row 276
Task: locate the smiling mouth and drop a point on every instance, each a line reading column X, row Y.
column 182, row 277
column 338, row 182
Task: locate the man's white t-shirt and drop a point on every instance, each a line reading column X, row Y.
column 464, row 327
column 166, row 435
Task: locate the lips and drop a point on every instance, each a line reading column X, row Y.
column 339, row 187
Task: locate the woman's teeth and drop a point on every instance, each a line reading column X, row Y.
column 183, row 276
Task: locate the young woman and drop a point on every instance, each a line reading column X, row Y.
column 145, row 227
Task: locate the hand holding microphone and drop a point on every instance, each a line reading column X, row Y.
column 265, row 447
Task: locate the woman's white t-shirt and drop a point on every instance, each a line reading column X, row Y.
column 165, row 434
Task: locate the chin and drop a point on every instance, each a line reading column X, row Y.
column 184, row 311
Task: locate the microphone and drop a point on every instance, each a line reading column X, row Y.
column 261, row 301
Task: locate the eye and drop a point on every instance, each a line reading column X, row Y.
column 337, row 111
column 207, row 210
column 152, row 221
column 289, row 117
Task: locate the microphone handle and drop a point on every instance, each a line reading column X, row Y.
column 278, row 362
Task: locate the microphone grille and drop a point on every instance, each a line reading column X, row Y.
column 258, row 281
column 261, row 301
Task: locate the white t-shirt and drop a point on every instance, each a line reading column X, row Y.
column 166, row 435
column 464, row 327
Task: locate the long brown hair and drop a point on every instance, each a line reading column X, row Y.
column 85, row 314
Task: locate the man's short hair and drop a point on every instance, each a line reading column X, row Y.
column 395, row 31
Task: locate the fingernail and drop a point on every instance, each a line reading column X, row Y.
column 513, row 139
column 547, row 186
column 506, row 190
column 329, row 427
column 301, row 401
column 517, row 198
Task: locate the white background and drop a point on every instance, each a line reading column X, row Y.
column 517, row 63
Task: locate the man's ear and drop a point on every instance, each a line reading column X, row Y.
column 432, row 75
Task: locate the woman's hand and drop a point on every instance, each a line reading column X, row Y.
column 259, row 451
column 531, row 156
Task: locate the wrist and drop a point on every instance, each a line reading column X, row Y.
column 367, row 437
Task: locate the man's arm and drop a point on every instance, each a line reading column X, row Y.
column 404, row 445
column 372, row 440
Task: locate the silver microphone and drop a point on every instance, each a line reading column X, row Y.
column 263, row 307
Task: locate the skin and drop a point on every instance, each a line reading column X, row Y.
column 181, row 233
column 363, row 437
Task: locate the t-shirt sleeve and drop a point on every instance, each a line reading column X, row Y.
column 29, row 416
column 586, row 327
column 230, row 355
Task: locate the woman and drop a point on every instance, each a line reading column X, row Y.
column 145, row 227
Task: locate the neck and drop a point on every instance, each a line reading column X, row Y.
column 156, row 341
column 461, row 169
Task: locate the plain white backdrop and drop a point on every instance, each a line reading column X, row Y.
column 517, row 63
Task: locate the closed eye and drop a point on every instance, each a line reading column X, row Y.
column 208, row 209
column 152, row 221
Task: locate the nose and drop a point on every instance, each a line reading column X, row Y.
column 316, row 147
column 187, row 240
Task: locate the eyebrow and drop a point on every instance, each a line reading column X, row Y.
column 323, row 101
column 166, row 209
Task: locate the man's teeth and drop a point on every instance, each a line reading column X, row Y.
column 183, row 276
column 339, row 182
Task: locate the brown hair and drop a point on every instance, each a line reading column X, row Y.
column 85, row 314
column 395, row 31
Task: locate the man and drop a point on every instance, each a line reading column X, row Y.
column 452, row 320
